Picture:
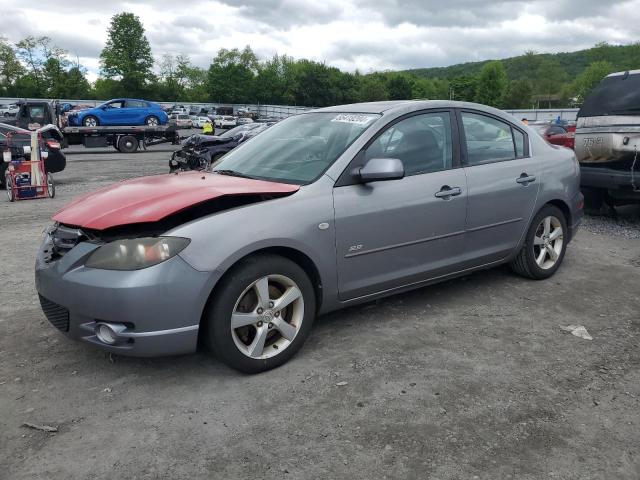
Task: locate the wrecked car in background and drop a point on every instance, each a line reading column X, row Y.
column 561, row 135
column 607, row 141
column 199, row 151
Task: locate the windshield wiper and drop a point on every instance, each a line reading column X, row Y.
column 233, row 173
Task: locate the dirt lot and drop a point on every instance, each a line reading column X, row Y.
column 472, row 378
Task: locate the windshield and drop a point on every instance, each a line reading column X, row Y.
column 616, row 95
column 236, row 130
column 299, row 149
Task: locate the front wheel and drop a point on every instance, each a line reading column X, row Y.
column 261, row 315
column 545, row 245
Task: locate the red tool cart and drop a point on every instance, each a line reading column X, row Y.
column 26, row 177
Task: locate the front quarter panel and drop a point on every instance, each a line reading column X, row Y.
column 219, row 240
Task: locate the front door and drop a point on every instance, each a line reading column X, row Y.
column 503, row 182
column 394, row 233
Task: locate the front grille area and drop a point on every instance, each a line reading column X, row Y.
column 56, row 314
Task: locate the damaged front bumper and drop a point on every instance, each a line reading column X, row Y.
column 154, row 311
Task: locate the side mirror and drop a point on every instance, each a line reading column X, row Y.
column 379, row 169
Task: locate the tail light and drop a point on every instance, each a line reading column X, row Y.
column 53, row 144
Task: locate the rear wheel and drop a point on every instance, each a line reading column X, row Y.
column 10, row 191
column 261, row 315
column 545, row 245
column 90, row 121
column 128, row 144
column 152, row 121
column 51, row 186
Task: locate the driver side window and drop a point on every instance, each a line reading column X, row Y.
column 422, row 142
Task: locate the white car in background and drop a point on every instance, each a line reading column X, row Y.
column 200, row 121
column 9, row 110
column 226, row 121
column 244, row 120
column 182, row 120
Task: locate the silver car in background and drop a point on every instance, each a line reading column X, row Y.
column 327, row 209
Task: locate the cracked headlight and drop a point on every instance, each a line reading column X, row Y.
column 136, row 253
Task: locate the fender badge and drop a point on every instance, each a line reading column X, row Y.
column 323, row 226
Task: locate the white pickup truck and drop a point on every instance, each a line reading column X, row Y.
column 9, row 110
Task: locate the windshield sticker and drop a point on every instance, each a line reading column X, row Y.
column 355, row 118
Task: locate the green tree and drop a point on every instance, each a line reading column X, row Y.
column 518, row 94
column 590, row 78
column 463, row 88
column 399, row 86
column 492, row 84
column 76, row 84
column 231, row 76
column 10, row 69
column 550, row 79
column 373, row 88
column 127, row 54
column 45, row 63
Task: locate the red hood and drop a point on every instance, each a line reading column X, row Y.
column 149, row 199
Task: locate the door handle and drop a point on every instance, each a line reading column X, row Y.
column 447, row 192
column 525, row 179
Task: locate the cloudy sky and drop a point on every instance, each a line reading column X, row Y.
column 349, row 34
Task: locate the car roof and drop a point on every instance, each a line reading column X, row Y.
column 403, row 107
column 410, row 105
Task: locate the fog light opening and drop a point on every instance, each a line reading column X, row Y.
column 109, row 333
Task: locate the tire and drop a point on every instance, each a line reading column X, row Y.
column 283, row 331
column 10, row 192
column 530, row 261
column 90, row 121
column 51, row 186
column 152, row 121
column 6, row 114
column 127, row 144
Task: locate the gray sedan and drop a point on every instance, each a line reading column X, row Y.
column 324, row 210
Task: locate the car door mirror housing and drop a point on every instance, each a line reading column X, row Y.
column 379, row 169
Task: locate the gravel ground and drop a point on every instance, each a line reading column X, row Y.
column 472, row 378
column 623, row 222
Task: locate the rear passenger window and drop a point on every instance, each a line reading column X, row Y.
column 518, row 139
column 422, row 142
column 488, row 140
column 136, row 104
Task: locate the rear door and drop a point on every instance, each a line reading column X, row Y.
column 135, row 112
column 503, row 182
column 398, row 232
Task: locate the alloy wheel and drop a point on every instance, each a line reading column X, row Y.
column 90, row 122
column 547, row 242
column 267, row 316
column 152, row 121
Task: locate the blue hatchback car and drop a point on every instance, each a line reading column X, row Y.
column 120, row 111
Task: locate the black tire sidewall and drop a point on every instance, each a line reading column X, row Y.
column 217, row 329
column 121, row 144
column 536, row 271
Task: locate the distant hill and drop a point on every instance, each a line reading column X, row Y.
column 621, row 57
